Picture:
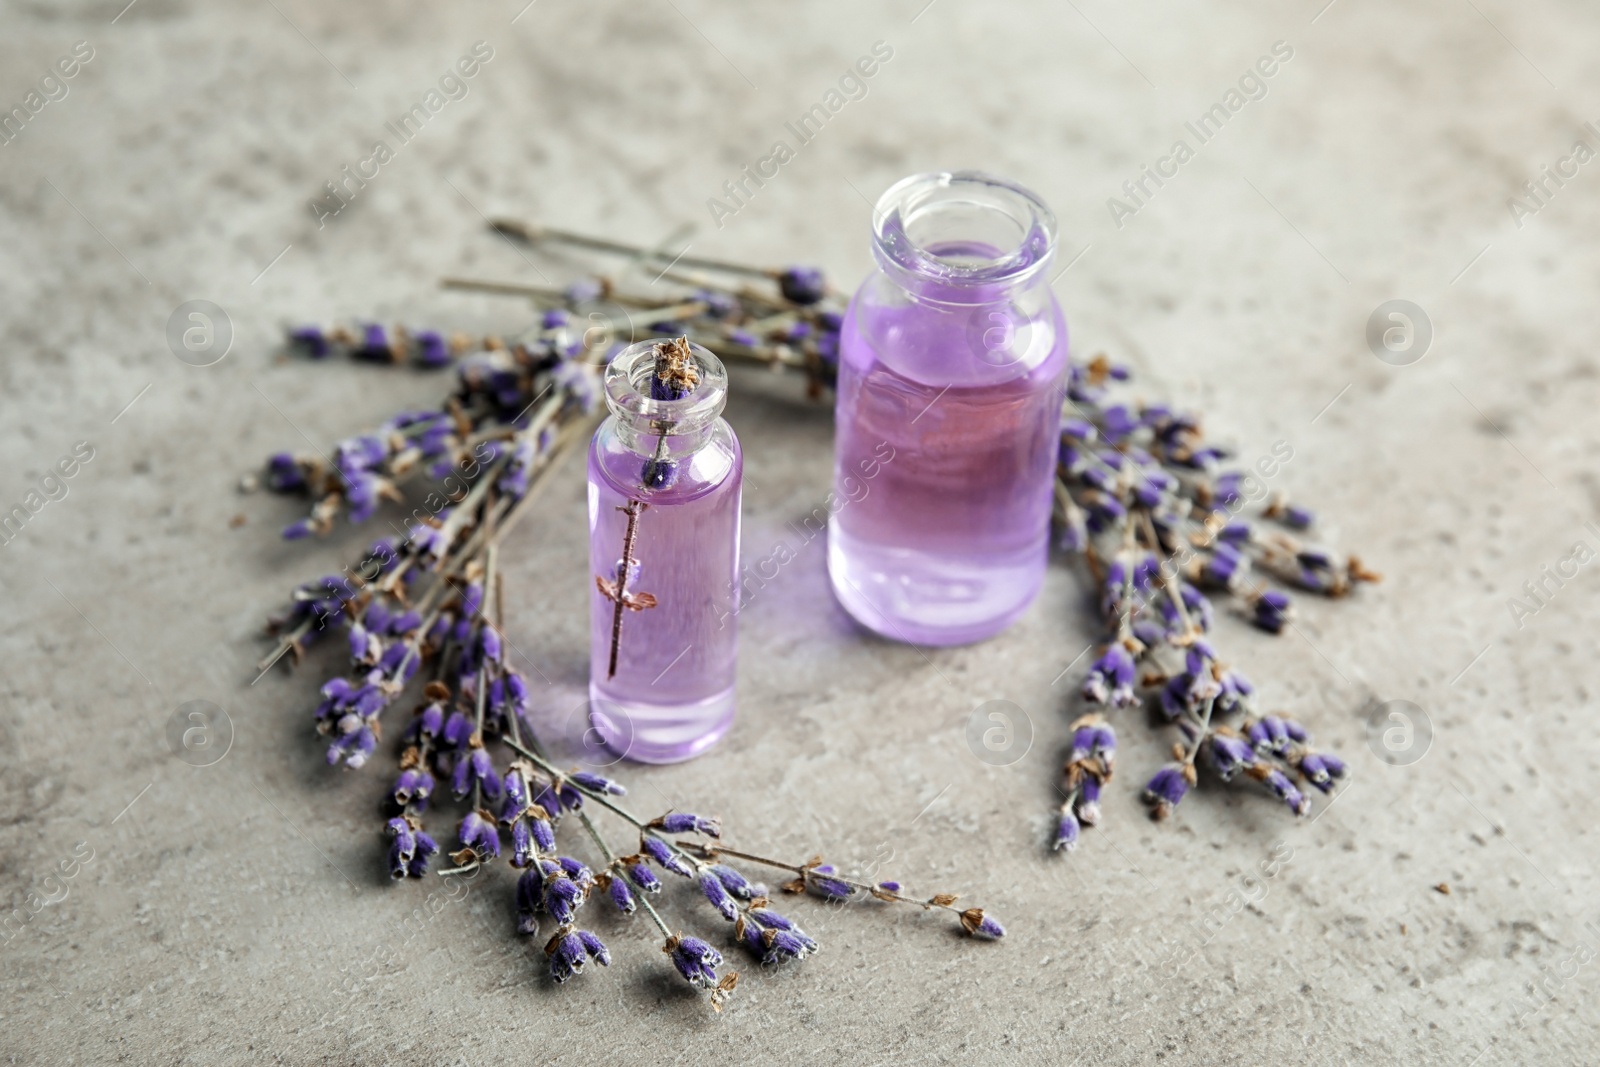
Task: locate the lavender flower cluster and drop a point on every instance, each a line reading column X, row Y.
column 1142, row 497
column 430, row 604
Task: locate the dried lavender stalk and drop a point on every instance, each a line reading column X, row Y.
column 1142, row 499
column 792, row 323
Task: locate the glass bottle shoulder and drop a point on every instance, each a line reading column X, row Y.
column 1017, row 334
column 703, row 466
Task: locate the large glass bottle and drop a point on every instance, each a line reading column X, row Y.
column 952, row 368
column 665, row 474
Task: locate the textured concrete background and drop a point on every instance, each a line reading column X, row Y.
column 240, row 912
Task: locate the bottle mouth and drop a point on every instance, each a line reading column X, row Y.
column 963, row 228
column 627, row 384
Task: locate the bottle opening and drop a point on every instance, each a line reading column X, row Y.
column 628, row 394
column 963, row 227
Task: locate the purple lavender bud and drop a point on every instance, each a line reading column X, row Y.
column 754, row 940
column 576, row 870
column 431, row 348
column 1111, row 679
column 356, row 744
column 823, row 886
column 472, row 600
column 516, row 689
column 311, row 339
column 1167, row 789
column 1066, row 833
column 1279, row 783
column 1230, row 755
column 403, row 848
column 393, row 656
column 546, row 798
column 1235, row 688
column 768, row 918
column 1236, row 532
column 681, row 822
column 695, row 960
column 457, row 729
column 298, row 530
column 522, row 850
column 621, row 895
column 553, row 319
column 1295, row 731
column 662, row 853
column 712, row 887
column 414, row 784
column 567, row 957
column 1082, row 744
column 429, row 720
column 480, row 835
column 530, row 900
column 744, row 338
column 404, row 623
column 788, row 944
column 1201, row 613
column 544, row 835
column 1272, row 610
column 1104, row 512
column 374, row 344
column 1298, row 517
column 477, row 769
column 284, row 474
column 561, row 898
column 376, row 618
column 1087, row 806
column 1078, row 430
column 597, row 784
column 516, row 795
column 595, row 948
column 659, row 473
column 733, row 881
column 570, row 798
column 889, row 887
column 426, row 848
column 978, row 924
column 489, row 644
column 1117, row 422
column 364, row 647
column 1105, row 745
column 802, row 285
column 1225, row 567
column 644, row 878
column 1321, row 769
column 1269, row 735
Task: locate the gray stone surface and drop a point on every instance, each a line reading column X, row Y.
column 240, row 913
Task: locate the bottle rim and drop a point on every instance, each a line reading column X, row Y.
column 627, row 388
column 986, row 205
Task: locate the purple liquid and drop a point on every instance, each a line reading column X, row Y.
column 672, row 697
column 949, row 415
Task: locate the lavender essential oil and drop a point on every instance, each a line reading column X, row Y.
column 952, row 369
column 665, row 476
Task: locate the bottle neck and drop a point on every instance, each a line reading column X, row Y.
column 644, row 436
column 962, row 238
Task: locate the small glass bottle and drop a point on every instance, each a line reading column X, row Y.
column 665, row 475
column 952, row 370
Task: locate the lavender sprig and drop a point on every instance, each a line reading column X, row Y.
column 1142, row 499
